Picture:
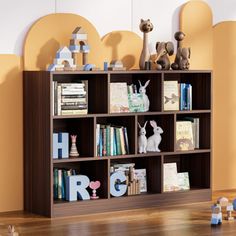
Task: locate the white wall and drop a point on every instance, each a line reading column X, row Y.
column 16, row 17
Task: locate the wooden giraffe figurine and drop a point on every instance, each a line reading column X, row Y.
column 145, row 26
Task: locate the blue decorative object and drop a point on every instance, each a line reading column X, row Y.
column 88, row 67
column 76, row 187
column 117, row 189
column 105, row 65
column 60, row 145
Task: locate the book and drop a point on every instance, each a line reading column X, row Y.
column 171, row 95
column 140, row 175
column 184, row 136
column 183, row 181
column 195, row 128
column 119, row 98
column 170, row 177
column 136, row 102
column 185, row 96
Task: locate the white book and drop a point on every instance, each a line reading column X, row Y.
column 183, row 181
column 171, row 95
column 59, row 100
column 140, row 174
column 170, row 177
column 119, row 98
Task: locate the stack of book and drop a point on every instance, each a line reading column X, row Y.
column 111, row 140
column 59, row 182
column 135, row 178
column 70, row 98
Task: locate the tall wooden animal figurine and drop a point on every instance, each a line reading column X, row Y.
column 163, row 50
column 183, row 54
column 145, row 26
column 73, row 150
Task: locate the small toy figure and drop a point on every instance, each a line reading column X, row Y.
column 73, row 150
column 229, row 210
column 216, row 216
column 142, row 91
column 11, row 231
column 154, row 140
column 142, row 139
column 94, row 186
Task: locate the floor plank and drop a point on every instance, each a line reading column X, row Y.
column 184, row 220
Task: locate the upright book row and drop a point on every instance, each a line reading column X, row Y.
column 70, row 98
column 177, row 96
column 111, row 140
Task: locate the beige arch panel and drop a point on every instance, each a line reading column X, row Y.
column 196, row 23
column 224, row 163
column 51, row 32
column 11, row 143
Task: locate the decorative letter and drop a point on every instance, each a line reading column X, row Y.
column 117, row 189
column 60, row 145
column 76, row 187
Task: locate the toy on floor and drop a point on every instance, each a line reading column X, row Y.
column 11, row 231
column 216, row 216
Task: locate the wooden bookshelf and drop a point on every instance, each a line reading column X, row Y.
column 40, row 123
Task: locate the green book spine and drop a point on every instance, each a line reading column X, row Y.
column 108, row 141
column 55, row 183
column 118, row 145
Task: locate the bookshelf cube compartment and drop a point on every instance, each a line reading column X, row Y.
column 97, row 89
column 153, row 171
column 153, row 90
column 197, row 165
column 94, row 170
column 166, row 122
column 122, row 121
column 83, row 128
column 204, row 127
column 201, row 87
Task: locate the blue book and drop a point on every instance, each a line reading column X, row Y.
column 100, row 143
column 114, row 144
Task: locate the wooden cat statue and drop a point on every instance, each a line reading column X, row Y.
column 145, row 26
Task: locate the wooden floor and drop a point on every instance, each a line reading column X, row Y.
column 182, row 220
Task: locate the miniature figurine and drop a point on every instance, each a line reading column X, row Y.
column 163, row 50
column 142, row 90
column 216, row 216
column 145, row 26
column 142, row 139
column 183, row 54
column 94, row 186
column 229, row 210
column 79, row 44
column 63, row 60
column 73, row 150
column 11, row 231
column 154, row 140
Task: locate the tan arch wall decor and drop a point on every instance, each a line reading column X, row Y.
column 196, row 22
column 224, row 163
column 11, row 135
column 51, row 32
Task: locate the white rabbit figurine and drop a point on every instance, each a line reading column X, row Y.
column 142, row 90
column 154, row 140
column 142, row 139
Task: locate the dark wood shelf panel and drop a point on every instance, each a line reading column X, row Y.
column 39, row 125
column 79, row 159
column 130, row 202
